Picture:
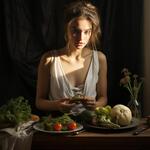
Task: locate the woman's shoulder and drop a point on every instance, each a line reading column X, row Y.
column 101, row 55
column 53, row 53
column 47, row 56
column 102, row 59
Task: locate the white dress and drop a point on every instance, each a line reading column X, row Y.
column 60, row 86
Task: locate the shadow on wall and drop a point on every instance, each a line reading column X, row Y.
column 147, row 56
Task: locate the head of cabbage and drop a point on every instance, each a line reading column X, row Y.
column 121, row 115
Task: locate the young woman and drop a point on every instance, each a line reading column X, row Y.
column 77, row 71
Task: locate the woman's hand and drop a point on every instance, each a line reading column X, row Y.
column 64, row 105
column 89, row 102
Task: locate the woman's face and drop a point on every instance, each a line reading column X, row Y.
column 79, row 33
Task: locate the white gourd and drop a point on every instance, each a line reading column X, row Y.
column 121, row 115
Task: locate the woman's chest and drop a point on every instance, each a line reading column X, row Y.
column 76, row 71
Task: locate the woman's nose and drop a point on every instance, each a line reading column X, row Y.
column 81, row 36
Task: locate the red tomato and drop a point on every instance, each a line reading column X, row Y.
column 72, row 125
column 57, row 126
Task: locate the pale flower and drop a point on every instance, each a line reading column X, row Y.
column 132, row 83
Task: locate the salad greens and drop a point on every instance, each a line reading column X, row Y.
column 49, row 122
column 16, row 111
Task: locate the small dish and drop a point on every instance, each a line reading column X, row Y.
column 39, row 127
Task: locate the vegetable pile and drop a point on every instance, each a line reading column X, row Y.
column 16, row 111
column 112, row 118
column 62, row 123
column 103, row 117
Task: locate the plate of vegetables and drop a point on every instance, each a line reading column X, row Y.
column 58, row 125
column 114, row 127
column 117, row 118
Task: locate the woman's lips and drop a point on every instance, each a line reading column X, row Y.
column 79, row 44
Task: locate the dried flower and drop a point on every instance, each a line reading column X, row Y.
column 132, row 83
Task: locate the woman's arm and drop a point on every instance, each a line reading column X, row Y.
column 102, row 81
column 43, row 80
column 42, row 93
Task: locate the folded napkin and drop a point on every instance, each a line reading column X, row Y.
column 18, row 138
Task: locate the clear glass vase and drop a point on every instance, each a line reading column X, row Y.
column 135, row 108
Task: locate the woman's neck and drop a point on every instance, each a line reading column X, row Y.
column 76, row 53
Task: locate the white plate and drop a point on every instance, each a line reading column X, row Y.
column 39, row 127
column 134, row 123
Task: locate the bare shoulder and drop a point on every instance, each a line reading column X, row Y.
column 47, row 57
column 102, row 62
column 101, row 56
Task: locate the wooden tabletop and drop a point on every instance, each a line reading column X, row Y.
column 94, row 139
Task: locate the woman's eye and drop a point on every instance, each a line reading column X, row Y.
column 88, row 32
column 75, row 31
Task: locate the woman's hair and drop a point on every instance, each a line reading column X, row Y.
column 84, row 9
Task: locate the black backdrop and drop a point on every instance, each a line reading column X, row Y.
column 28, row 28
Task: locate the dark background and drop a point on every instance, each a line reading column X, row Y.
column 28, row 28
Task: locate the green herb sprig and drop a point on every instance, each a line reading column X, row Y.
column 16, row 111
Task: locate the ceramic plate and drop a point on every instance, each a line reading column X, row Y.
column 134, row 123
column 39, row 127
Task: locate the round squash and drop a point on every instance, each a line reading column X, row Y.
column 121, row 115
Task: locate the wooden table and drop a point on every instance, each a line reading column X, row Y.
column 93, row 140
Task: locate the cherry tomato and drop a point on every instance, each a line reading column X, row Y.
column 57, row 126
column 72, row 125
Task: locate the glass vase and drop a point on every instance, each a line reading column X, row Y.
column 135, row 108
